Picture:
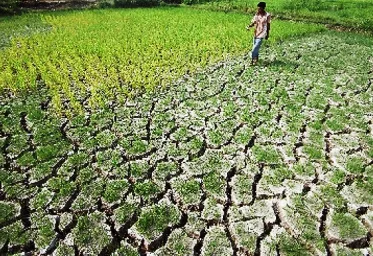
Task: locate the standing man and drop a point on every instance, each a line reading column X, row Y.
column 262, row 22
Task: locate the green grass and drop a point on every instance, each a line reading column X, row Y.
column 355, row 14
column 109, row 53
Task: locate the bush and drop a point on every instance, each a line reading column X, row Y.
column 9, row 6
column 136, row 3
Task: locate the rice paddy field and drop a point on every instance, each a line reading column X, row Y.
column 148, row 132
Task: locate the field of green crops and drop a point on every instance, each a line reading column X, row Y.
column 105, row 54
column 353, row 14
column 147, row 132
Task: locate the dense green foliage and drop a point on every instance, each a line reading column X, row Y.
column 104, row 54
column 355, row 14
column 9, row 6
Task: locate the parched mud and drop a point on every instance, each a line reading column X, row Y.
column 274, row 159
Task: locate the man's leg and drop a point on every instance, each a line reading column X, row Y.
column 255, row 52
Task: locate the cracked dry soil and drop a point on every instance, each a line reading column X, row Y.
column 274, row 159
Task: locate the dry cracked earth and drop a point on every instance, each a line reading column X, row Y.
column 274, row 159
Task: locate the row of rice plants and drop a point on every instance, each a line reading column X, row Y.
column 354, row 14
column 104, row 53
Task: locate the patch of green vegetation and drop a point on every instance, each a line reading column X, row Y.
column 165, row 170
column 125, row 250
column 20, row 26
column 125, row 212
column 189, row 191
column 304, row 169
column 44, row 227
column 365, row 190
column 62, row 186
column 246, row 236
column 135, row 147
column 338, row 176
column 63, row 250
column 7, row 211
column 105, row 139
column 90, row 233
column 115, row 189
column 18, row 143
column 89, row 194
column 242, row 188
column 277, row 175
column 181, row 134
column 178, row 244
column 194, row 145
column 154, row 219
column 215, row 136
column 85, row 175
column 41, row 199
column 355, row 164
column 336, row 125
column 139, row 169
column 266, row 154
column 212, row 210
column 26, row 159
column 313, row 152
column 146, row 189
column 214, row 184
column 306, row 223
column 230, row 109
column 331, row 196
column 218, row 243
column 344, row 251
column 348, row 226
column 15, row 234
column 291, row 247
column 243, row 136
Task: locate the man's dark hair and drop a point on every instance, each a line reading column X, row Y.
column 262, row 4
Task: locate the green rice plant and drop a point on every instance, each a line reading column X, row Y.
column 44, row 227
column 266, row 154
column 313, row 152
column 355, row 164
column 348, row 227
column 154, row 219
column 214, row 184
column 165, row 169
column 331, row 196
column 41, row 199
column 115, row 189
column 125, row 249
column 15, row 234
column 7, row 211
column 146, row 189
column 123, row 213
column 139, row 169
column 90, row 233
column 304, row 169
column 141, row 48
column 189, row 191
column 63, row 249
column 338, row 176
column 292, row 247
